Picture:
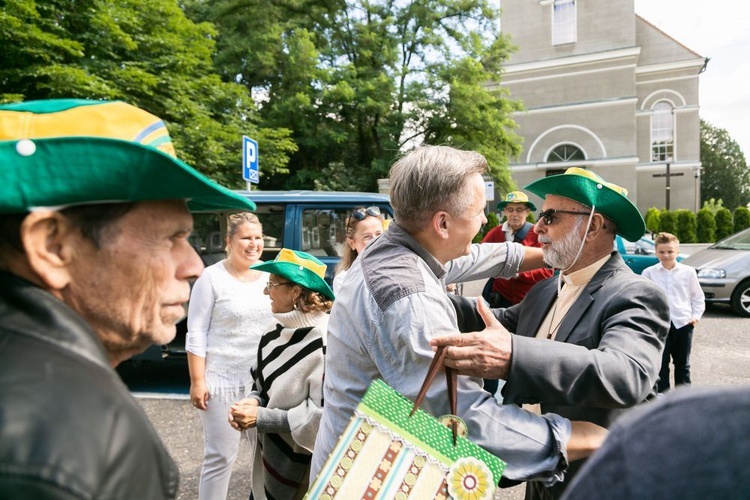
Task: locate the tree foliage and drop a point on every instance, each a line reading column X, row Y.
column 724, row 225
column 726, row 175
column 741, row 218
column 668, row 222
column 359, row 82
column 686, row 226
column 147, row 53
column 706, row 226
column 652, row 219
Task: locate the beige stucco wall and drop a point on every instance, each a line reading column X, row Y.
column 598, row 94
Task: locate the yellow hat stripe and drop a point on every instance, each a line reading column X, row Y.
column 129, row 124
column 286, row 255
column 591, row 175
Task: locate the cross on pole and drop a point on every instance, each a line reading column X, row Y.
column 668, row 175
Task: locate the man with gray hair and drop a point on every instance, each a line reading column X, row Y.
column 395, row 303
column 95, row 266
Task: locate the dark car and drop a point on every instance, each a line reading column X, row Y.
column 311, row 221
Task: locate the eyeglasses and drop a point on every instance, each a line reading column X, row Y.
column 520, row 210
column 361, row 213
column 273, row 284
column 546, row 216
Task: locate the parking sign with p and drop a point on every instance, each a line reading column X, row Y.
column 250, row 160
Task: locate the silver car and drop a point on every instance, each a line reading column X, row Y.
column 724, row 271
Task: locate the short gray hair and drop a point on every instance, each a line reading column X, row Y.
column 429, row 179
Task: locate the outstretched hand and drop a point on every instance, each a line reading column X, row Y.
column 483, row 354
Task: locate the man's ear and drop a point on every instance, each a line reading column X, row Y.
column 440, row 223
column 598, row 223
column 48, row 239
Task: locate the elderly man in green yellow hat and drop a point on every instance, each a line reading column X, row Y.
column 95, row 266
column 587, row 344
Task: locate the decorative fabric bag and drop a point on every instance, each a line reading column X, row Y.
column 391, row 449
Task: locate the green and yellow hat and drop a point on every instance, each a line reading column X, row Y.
column 63, row 152
column 300, row 268
column 585, row 187
column 516, row 197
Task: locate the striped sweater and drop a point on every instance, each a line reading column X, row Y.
column 289, row 386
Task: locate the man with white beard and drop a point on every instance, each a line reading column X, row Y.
column 586, row 343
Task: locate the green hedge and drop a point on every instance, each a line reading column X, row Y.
column 712, row 222
column 706, row 230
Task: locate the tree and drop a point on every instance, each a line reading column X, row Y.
column 652, row 219
column 706, row 226
column 686, row 226
column 668, row 222
column 741, row 218
column 145, row 52
column 724, row 225
column 725, row 174
column 359, row 82
column 713, row 205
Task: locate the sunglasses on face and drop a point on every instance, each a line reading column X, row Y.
column 547, row 215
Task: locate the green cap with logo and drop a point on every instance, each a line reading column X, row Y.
column 65, row 152
column 516, row 197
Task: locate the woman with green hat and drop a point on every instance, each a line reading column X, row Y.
column 287, row 398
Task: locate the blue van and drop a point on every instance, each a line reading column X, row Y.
column 311, row 221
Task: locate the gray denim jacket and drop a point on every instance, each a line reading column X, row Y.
column 392, row 302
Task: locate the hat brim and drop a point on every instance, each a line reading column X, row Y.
column 503, row 204
column 90, row 170
column 608, row 202
column 297, row 275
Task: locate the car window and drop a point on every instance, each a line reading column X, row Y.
column 640, row 247
column 206, row 237
column 324, row 230
column 272, row 217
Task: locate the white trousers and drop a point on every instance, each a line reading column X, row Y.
column 221, row 443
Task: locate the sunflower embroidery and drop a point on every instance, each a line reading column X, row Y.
column 470, row 479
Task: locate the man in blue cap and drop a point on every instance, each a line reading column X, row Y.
column 95, row 266
column 587, row 344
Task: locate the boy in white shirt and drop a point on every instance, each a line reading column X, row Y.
column 686, row 306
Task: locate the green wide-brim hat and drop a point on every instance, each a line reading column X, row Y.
column 516, row 197
column 300, row 268
column 585, row 187
column 64, row 152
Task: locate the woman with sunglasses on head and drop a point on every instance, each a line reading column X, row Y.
column 227, row 314
column 362, row 226
column 286, row 403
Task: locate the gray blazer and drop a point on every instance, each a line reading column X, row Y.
column 607, row 352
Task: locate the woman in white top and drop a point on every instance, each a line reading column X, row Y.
column 227, row 314
column 362, row 226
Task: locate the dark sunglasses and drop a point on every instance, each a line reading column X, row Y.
column 361, row 213
column 546, row 216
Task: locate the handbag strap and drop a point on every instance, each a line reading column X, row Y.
column 451, row 381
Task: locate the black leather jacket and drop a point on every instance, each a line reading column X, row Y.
column 69, row 428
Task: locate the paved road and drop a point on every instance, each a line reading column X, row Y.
column 721, row 355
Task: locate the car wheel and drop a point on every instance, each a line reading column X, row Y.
column 741, row 299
